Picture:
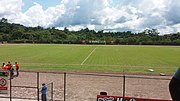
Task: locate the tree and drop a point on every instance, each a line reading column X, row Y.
column 4, row 20
column 151, row 31
column 66, row 30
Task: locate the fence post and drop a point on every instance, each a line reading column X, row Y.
column 38, row 85
column 64, row 86
column 52, row 91
column 124, row 86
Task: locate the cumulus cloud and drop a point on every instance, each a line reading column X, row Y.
column 36, row 16
column 108, row 15
column 10, row 8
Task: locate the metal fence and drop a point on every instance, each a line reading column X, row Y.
column 78, row 86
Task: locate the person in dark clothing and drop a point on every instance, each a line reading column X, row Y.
column 11, row 72
column 43, row 91
column 174, row 86
column 11, row 69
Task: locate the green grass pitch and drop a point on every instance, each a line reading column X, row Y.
column 131, row 59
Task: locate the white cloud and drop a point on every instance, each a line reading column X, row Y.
column 113, row 15
column 36, row 16
column 10, row 8
column 166, row 30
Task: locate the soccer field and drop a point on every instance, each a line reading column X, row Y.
column 134, row 59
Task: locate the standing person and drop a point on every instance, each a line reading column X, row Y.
column 17, row 68
column 174, row 86
column 9, row 65
column 5, row 68
column 3, row 65
column 11, row 72
column 43, row 91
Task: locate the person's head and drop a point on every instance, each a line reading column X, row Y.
column 3, row 63
column 43, row 84
column 9, row 62
column 15, row 62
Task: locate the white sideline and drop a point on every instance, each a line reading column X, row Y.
column 88, row 56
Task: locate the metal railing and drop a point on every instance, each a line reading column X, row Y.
column 64, row 84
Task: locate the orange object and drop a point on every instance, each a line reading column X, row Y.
column 6, row 68
column 2, row 66
column 17, row 66
column 9, row 65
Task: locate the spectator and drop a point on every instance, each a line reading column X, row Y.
column 9, row 65
column 3, row 65
column 43, row 91
column 17, row 68
column 11, row 72
column 174, row 86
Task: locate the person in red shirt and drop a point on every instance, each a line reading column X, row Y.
column 17, row 68
column 9, row 65
column 3, row 66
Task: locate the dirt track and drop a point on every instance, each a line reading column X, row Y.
column 86, row 87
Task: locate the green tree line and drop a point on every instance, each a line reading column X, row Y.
column 16, row 33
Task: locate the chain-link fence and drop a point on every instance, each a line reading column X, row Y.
column 78, row 86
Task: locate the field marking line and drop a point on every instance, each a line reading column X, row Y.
column 88, row 56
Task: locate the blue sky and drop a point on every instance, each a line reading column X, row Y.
column 45, row 3
column 107, row 15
